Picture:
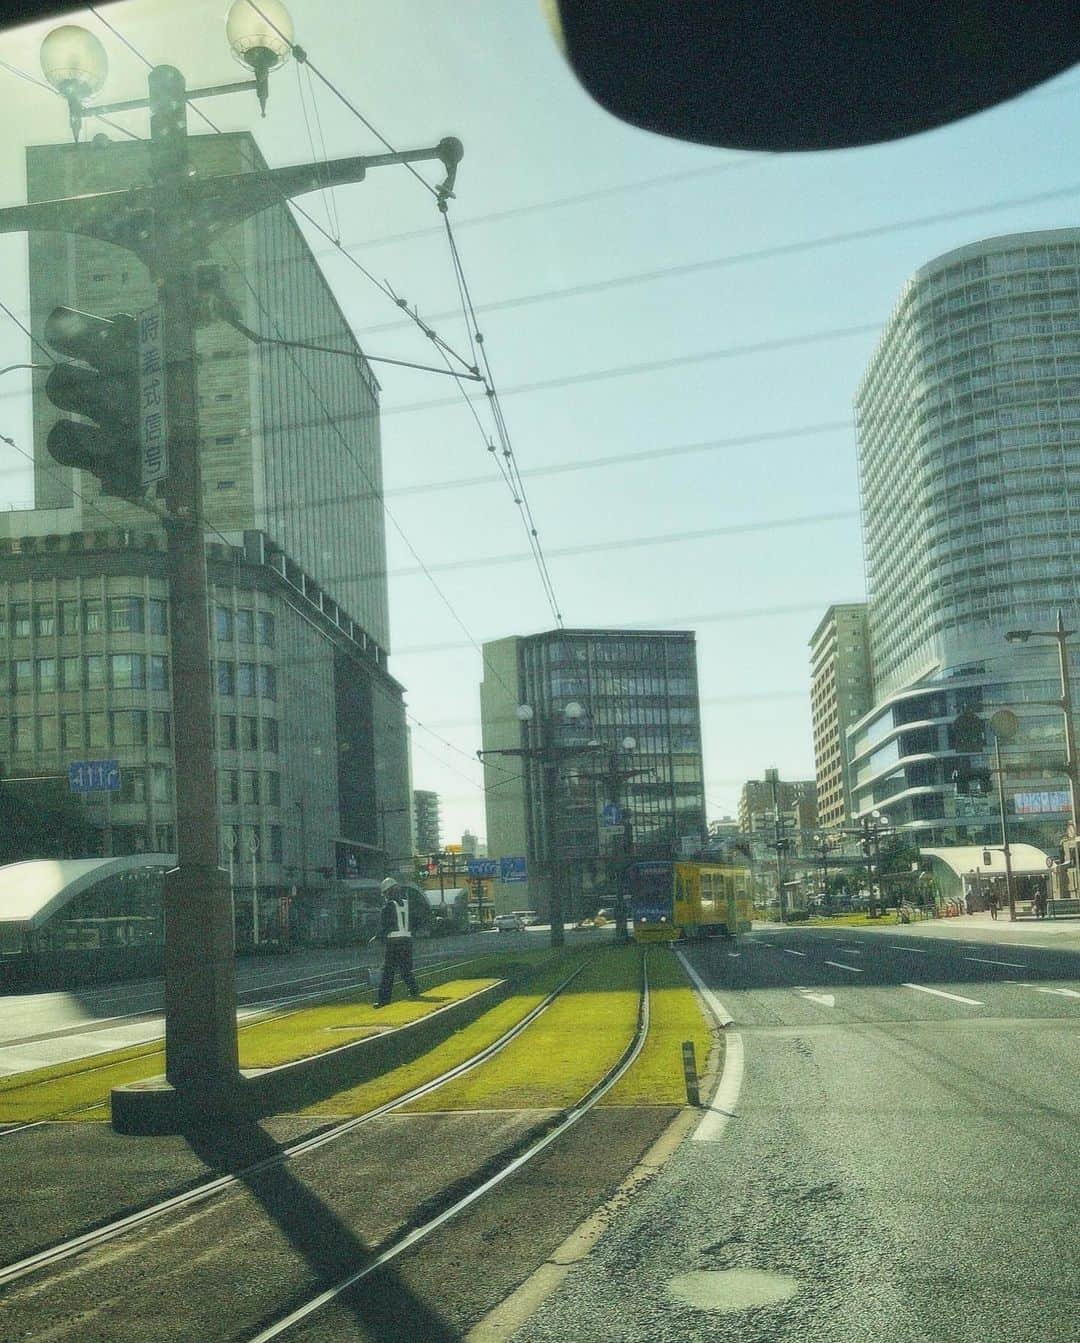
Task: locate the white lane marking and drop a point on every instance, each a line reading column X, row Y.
column 788, row 952
column 940, row 993
column 850, row 951
column 733, row 955
column 722, row 1106
column 855, row 970
column 716, row 1007
column 1064, row 993
column 982, row 960
column 897, row 946
column 825, row 999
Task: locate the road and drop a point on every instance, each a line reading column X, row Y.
column 899, row 1163
column 38, row 1029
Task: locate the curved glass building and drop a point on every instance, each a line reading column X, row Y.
column 968, row 425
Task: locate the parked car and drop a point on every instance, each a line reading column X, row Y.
column 527, row 916
column 509, row 923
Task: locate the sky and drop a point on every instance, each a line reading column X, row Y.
column 677, row 333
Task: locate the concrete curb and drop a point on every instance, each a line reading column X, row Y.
column 153, row 1106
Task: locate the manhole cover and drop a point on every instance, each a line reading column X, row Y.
column 731, row 1289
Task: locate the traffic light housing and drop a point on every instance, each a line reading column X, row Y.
column 103, row 388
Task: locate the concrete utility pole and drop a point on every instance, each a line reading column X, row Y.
column 169, row 224
column 613, row 777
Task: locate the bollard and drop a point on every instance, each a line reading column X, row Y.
column 689, row 1063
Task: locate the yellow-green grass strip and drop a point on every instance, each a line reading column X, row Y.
column 565, row 1052
column 461, row 1046
column 59, row 1090
column 299, row 1035
column 656, row 1077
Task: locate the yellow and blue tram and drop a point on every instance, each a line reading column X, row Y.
column 668, row 901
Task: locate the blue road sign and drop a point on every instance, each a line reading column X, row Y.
column 611, row 814
column 482, row 867
column 512, row 869
column 94, row 776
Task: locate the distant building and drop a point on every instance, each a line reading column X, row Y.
column 470, row 845
column 790, row 811
column 426, row 821
column 568, row 823
column 840, row 693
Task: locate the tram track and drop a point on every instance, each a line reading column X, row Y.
column 206, row 1190
column 413, row 1236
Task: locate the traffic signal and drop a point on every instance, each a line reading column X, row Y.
column 104, row 389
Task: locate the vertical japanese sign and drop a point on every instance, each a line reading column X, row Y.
column 152, row 426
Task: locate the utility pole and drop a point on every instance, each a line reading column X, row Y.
column 169, row 225
column 772, row 776
column 613, row 779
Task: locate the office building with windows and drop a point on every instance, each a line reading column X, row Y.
column 840, row 693
column 968, row 424
column 426, row 824
column 313, row 771
column 629, row 684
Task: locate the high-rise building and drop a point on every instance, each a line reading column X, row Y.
column 310, row 726
column 968, row 421
column 794, row 801
column 840, row 693
column 426, row 823
column 563, row 819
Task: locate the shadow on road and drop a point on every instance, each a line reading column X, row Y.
column 383, row 1306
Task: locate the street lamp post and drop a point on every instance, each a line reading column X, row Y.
column 1004, row 724
column 169, row 225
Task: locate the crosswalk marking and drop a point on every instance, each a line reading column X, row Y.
column 940, row 993
column 1064, row 993
column 825, row 999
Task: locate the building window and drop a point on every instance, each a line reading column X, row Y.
column 127, row 671
column 159, row 672
column 246, row 679
column 251, row 787
column 22, row 671
column 46, row 673
column 273, row 788
column 71, row 730
column 159, row 616
column 20, row 620
column 126, row 615
column 228, row 732
column 162, row 728
column 245, row 626
column 97, row 730
column 277, row 850
column 226, row 679
column 161, row 783
column 265, row 622
column 223, row 622
column 44, row 619
column 128, row 727
column 250, row 733
column 47, row 732
column 268, row 682
column 70, row 673
column 132, row 785
column 92, row 616
column 230, row 786
column 165, row 838
column 22, row 734
column 94, row 665
column 270, row 735
column 3, row 621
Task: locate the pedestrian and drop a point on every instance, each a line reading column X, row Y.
column 1040, row 903
column 397, row 943
column 992, row 902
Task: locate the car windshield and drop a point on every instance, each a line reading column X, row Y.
column 432, row 506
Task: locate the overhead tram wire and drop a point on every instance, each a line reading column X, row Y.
column 517, row 485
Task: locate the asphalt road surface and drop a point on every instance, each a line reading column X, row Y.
column 900, row 1163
